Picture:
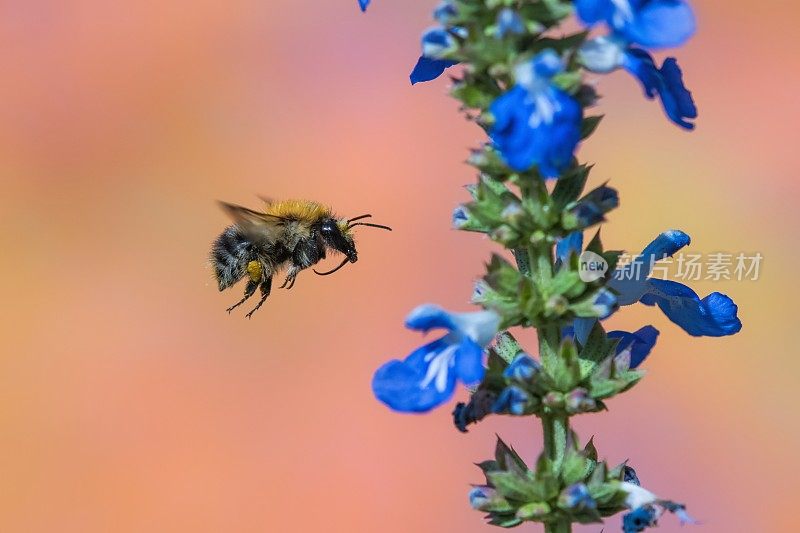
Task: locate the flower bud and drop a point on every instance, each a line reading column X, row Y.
column 534, row 510
column 579, row 401
column 509, row 22
column 576, row 497
column 522, row 368
column 553, row 400
column 512, row 400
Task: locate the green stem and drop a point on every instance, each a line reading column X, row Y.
column 554, row 427
column 558, row 527
column 555, row 437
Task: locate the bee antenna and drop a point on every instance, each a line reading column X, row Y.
column 370, row 225
column 358, row 218
column 343, row 263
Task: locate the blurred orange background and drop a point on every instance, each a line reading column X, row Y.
column 132, row 402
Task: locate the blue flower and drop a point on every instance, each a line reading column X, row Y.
column 577, row 498
column 716, row 315
column 666, row 82
column 605, row 54
column 522, row 368
column 712, row 316
column 647, row 508
column 640, row 343
column 649, row 23
column 363, row 4
column 481, row 496
column 427, row 377
column 639, row 519
column 436, row 42
column 536, row 123
column 512, row 400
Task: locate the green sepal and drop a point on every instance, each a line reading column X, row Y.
column 565, row 369
column 503, row 521
column 534, row 511
column 595, row 245
column 472, row 96
column 589, row 125
column 569, row 81
column 493, row 378
column 570, row 186
column 508, row 459
column 507, row 347
column 586, row 306
column 576, row 468
column 512, row 485
column 598, row 346
column 567, row 283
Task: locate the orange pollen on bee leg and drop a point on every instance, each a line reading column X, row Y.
column 255, row 270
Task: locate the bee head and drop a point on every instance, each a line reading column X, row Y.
column 337, row 235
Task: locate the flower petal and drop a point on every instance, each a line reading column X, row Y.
column 420, row 382
column 676, row 98
column 582, row 329
column 639, row 519
column 667, row 82
column 603, row 54
column 593, row 11
column 428, row 69
column 660, row 24
column 540, row 129
column 522, row 368
column 437, row 41
column 572, row 243
column 469, row 362
column 640, row 343
column 713, row 316
column 480, row 326
column 429, row 316
column 512, row 400
column 509, row 22
column 630, row 281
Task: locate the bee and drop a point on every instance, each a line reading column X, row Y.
column 291, row 234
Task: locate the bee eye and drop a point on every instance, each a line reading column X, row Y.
column 327, row 228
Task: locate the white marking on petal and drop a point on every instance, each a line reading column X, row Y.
column 439, row 365
column 546, row 109
column 623, row 13
column 480, row 326
column 637, row 496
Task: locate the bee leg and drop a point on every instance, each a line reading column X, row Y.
column 266, row 287
column 291, row 276
column 249, row 291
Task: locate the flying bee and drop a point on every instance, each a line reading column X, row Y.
column 295, row 234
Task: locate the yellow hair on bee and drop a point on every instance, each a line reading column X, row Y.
column 304, row 210
column 344, row 227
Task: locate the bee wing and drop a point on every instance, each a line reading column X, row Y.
column 258, row 227
column 266, row 199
